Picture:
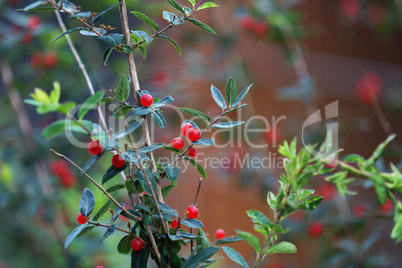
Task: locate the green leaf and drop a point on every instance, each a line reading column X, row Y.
column 142, row 207
column 143, row 52
column 175, row 237
column 115, row 188
column 151, row 148
column 200, row 257
column 81, row 15
column 65, row 107
column 123, row 89
column 124, row 245
column 90, row 32
column 282, row 247
column 192, row 2
column 86, row 230
column 176, row 46
column 168, row 210
column 192, row 223
column 311, row 204
column 125, row 132
column 196, row 113
column 172, row 173
column 139, row 259
column 113, row 39
column 251, row 239
column 141, row 178
column 202, row 25
column 207, row 5
column 111, row 172
column 228, row 124
column 379, row 186
column 110, row 230
column 187, row 235
column 164, row 101
column 202, row 240
column 132, row 157
column 397, row 230
column 200, row 169
column 140, row 111
column 258, row 218
column 241, row 96
column 205, row 142
column 378, row 151
column 159, row 118
column 91, row 161
column 74, row 234
column 231, row 92
column 103, row 210
column 67, row 32
column 87, row 202
column 166, row 190
column 228, row 240
column 170, row 148
column 217, row 96
column 34, row 5
column 174, row 4
column 97, row 17
column 143, row 36
column 126, row 49
column 146, row 19
column 235, row 256
column 90, row 103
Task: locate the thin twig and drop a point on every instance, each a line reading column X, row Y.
column 96, row 184
column 194, row 204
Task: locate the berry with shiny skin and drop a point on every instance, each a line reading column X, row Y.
column 194, row 134
column 192, row 152
column 81, row 218
column 146, row 100
column 117, row 161
column 192, row 212
column 94, row 147
column 137, row 244
column 185, row 127
column 174, row 223
column 177, row 143
column 220, row 233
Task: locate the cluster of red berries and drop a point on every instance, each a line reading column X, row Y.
column 46, row 60
column 62, row 171
column 33, row 23
column 95, row 148
column 192, row 133
column 258, row 28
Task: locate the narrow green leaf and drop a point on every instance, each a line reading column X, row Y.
column 282, row 247
column 231, row 92
column 87, row 202
column 378, row 151
column 151, row 148
column 67, row 32
column 235, row 256
column 146, row 19
column 91, row 161
column 172, row 173
column 200, row 169
column 205, row 142
column 124, row 245
column 258, row 218
column 123, row 89
column 34, row 5
column 241, row 96
column 141, row 178
column 168, row 210
column 110, row 230
column 81, row 15
column 166, row 190
column 218, row 98
column 90, row 103
column 251, row 239
column 113, row 39
column 228, row 124
column 103, row 210
column 192, row 223
column 174, row 4
column 176, row 46
column 60, row 126
column 202, row 25
column 196, row 113
column 228, row 240
column 192, row 2
column 74, row 234
column 125, row 132
column 207, row 5
column 111, row 172
column 143, row 52
column 159, row 118
column 164, row 101
column 97, row 17
column 200, row 257
column 139, row 111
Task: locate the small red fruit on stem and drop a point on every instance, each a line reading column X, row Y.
column 177, row 143
column 174, row 224
column 368, row 87
column 185, row 127
column 193, row 134
column 220, row 233
column 94, row 147
column 49, row 60
column 386, row 207
column 315, row 229
column 192, row 212
column 81, row 218
column 137, row 244
column 146, row 100
column 117, row 161
column 192, row 152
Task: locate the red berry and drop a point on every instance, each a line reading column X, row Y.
column 260, row 29
column 185, row 127
column 33, row 22
column 36, row 60
column 94, row 147
column 49, row 60
column 315, row 229
column 192, row 212
column 137, row 244
column 247, row 22
column 192, row 152
column 160, row 79
column 177, row 143
column 350, row 7
column 368, row 87
column 117, row 161
column 27, row 38
column 193, row 134
column 327, row 190
column 174, row 224
column 386, row 207
column 273, row 135
column 358, row 211
column 67, row 180
column 81, row 218
column 146, row 100
column 220, row 233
